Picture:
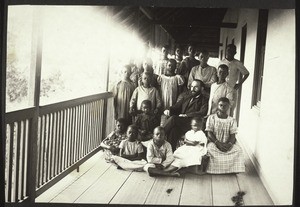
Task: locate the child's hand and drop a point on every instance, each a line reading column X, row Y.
column 167, row 112
column 159, row 166
column 228, row 146
column 221, row 146
column 196, row 143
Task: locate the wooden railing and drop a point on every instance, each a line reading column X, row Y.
column 68, row 133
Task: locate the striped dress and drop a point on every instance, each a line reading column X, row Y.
column 220, row 162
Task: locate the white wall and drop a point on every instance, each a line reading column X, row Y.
column 268, row 132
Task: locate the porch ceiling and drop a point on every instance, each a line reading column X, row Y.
column 200, row 26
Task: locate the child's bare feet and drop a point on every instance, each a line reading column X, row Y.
column 175, row 174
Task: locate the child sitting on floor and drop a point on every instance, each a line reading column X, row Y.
column 159, row 154
column 194, row 148
column 226, row 156
column 111, row 143
column 130, row 151
column 146, row 122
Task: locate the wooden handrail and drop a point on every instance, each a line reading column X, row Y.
column 74, row 102
column 19, row 115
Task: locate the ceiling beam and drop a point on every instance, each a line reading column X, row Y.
column 147, row 13
column 203, row 25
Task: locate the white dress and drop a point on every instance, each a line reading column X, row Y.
column 191, row 155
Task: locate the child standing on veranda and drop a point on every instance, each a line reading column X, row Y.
column 145, row 92
column 220, row 89
column 146, row 122
column 131, row 150
column 169, row 83
column 122, row 94
column 112, row 141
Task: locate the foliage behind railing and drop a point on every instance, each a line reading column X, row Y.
column 67, row 134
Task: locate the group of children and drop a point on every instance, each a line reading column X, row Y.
column 123, row 148
column 139, row 100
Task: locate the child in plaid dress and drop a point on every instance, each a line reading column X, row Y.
column 111, row 143
column 226, row 156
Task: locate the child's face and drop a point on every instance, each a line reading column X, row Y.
column 126, row 72
column 203, row 58
column 120, row 127
column 146, row 108
column 146, row 79
column 222, row 73
column 191, row 50
column 195, row 126
column 170, row 69
column 223, row 106
column 178, row 52
column 230, row 52
column 147, row 66
column 164, row 52
column 158, row 136
column 131, row 134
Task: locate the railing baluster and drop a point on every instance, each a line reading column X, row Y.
column 52, row 163
column 17, row 173
column 77, row 133
column 55, row 145
column 90, row 128
column 56, row 155
column 10, row 165
column 82, row 124
column 101, row 115
column 59, row 142
column 99, row 121
column 85, row 129
column 44, row 150
column 95, row 124
column 24, row 160
column 68, row 155
column 63, row 138
column 72, row 141
column 38, row 151
column 74, row 138
column 48, row 147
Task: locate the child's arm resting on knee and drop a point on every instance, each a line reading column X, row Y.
column 129, row 157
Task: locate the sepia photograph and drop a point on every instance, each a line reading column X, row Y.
column 152, row 103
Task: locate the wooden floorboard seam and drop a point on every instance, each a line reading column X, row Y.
column 73, row 182
column 120, row 187
column 149, row 190
column 181, row 191
column 212, row 190
column 92, row 184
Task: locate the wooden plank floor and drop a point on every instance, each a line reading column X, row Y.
column 100, row 182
